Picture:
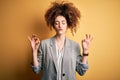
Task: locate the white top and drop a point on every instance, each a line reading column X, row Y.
column 59, row 62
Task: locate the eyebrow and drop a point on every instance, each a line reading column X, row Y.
column 59, row 21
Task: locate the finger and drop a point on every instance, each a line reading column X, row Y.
column 29, row 38
column 37, row 40
column 37, row 43
column 34, row 35
column 86, row 36
column 89, row 36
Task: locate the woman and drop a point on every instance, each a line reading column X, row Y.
column 59, row 57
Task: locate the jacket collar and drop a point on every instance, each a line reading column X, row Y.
column 52, row 42
column 53, row 50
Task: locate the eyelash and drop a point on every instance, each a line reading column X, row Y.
column 57, row 23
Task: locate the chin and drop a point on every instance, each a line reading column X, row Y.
column 60, row 33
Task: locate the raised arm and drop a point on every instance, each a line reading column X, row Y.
column 85, row 46
column 35, row 43
column 82, row 60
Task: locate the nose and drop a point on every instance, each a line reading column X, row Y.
column 60, row 25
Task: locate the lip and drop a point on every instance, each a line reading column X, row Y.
column 60, row 29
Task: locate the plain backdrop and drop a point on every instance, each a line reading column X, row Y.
column 22, row 18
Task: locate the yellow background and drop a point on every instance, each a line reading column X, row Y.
column 20, row 18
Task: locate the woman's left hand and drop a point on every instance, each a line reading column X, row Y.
column 86, row 43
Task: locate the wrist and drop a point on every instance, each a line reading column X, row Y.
column 35, row 52
column 85, row 54
column 85, row 51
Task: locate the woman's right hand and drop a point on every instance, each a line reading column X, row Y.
column 35, row 42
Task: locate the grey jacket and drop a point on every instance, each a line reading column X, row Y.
column 70, row 64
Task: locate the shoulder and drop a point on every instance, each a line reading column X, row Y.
column 74, row 45
column 46, row 41
column 72, row 42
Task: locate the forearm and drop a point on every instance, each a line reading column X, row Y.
column 35, row 60
column 82, row 64
column 85, row 58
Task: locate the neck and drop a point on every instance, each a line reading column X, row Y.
column 60, row 38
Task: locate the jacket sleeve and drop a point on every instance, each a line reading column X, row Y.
column 80, row 68
column 40, row 61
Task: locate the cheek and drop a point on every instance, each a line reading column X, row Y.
column 65, row 27
column 54, row 27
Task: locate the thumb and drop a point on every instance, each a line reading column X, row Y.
column 29, row 38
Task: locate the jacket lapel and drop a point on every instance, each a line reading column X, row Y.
column 53, row 51
column 54, row 54
column 66, row 56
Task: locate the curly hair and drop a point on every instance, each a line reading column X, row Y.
column 66, row 9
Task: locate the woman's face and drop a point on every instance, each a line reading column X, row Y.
column 60, row 25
